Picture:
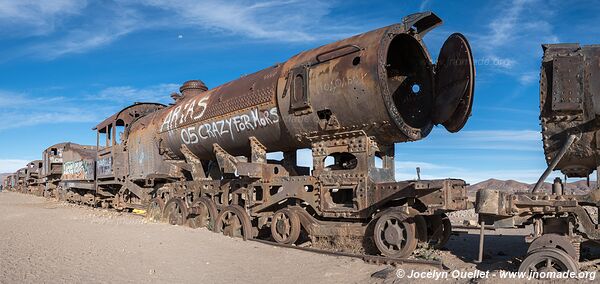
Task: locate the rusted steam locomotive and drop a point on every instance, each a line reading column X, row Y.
column 202, row 161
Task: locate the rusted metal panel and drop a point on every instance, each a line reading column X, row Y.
column 567, row 76
column 104, row 167
column 569, row 99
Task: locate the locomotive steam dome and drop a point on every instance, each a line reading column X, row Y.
column 193, row 87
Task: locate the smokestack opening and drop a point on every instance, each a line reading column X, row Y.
column 409, row 80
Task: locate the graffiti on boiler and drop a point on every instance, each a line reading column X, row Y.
column 230, row 126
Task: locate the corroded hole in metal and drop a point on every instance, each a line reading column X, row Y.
column 408, row 70
column 340, row 161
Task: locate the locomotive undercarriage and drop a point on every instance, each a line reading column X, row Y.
column 561, row 224
column 351, row 198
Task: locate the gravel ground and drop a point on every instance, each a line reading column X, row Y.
column 45, row 241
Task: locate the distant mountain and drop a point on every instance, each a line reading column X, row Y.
column 577, row 187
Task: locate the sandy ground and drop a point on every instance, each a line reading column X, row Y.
column 53, row 242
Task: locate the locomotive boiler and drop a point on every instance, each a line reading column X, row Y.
column 381, row 83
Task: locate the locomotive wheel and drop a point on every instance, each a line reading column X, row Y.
column 233, row 221
column 554, row 241
column 155, row 209
column 285, row 226
column 439, row 230
column 395, row 234
column 548, row 260
column 175, row 212
column 207, row 214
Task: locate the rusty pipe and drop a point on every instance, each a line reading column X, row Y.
column 554, row 162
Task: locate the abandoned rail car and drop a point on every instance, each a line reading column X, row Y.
column 33, row 183
column 569, row 105
column 62, row 165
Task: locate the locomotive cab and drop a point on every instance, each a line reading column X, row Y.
column 112, row 161
column 110, row 140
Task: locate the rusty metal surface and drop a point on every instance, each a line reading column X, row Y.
column 569, row 103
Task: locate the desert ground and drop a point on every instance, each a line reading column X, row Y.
column 46, row 241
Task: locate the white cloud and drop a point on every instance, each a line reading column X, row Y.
column 502, row 135
column 424, row 5
column 51, row 116
column 32, row 17
column 513, row 140
column 504, row 27
column 471, row 174
column 128, row 94
column 28, row 109
column 514, row 37
column 101, row 25
column 272, row 20
column 115, row 23
column 11, row 165
column 406, row 170
column 528, row 77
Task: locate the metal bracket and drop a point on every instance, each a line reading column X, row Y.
column 259, row 151
column 227, row 162
column 197, row 168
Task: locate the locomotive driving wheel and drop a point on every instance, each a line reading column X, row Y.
column 548, row 260
column 233, row 221
column 395, row 234
column 439, row 229
column 175, row 212
column 155, row 209
column 205, row 213
column 285, row 226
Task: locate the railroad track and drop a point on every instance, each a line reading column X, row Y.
column 376, row 259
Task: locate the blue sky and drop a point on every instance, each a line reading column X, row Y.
column 68, row 64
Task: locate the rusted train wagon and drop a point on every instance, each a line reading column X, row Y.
column 76, row 157
column 33, row 181
column 570, row 108
column 202, row 161
column 12, row 181
column 7, row 183
column 21, row 180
